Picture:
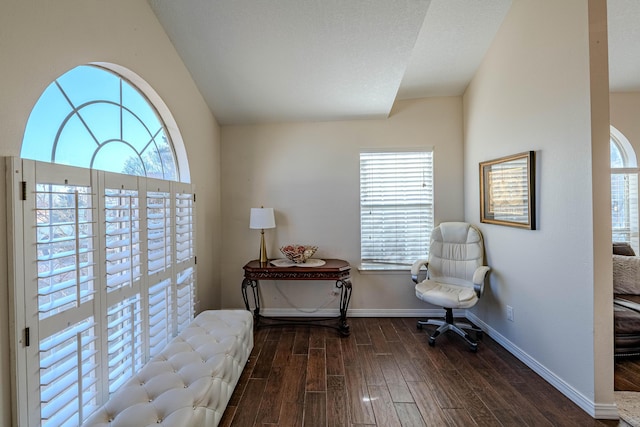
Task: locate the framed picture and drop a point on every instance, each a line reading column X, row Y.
column 507, row 191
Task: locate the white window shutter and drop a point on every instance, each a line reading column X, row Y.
column 185, row 255
column 110, row 277
column 125, row 354
column 160, row 255
column 159, row 231
column 624, row 208
column 160, row 308
column 61, row 277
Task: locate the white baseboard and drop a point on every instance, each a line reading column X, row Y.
column 293, row 312
column 598, row 411
column 433, row 312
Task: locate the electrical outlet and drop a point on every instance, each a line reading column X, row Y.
column 334, row 292
column 510, row 313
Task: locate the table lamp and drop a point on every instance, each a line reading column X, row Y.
column 260, row 219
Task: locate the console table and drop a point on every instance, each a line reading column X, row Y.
column 333, row 269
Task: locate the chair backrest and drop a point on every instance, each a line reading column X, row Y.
column 456, row 250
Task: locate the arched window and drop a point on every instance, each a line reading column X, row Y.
column 104, row 243
column 624, row 190
column 94, row 118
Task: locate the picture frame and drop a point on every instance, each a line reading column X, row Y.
column 507, row 191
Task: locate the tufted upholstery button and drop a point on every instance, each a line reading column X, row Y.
column 206, row 358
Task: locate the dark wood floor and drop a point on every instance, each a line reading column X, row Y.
column 627, row 374
column 385, row 374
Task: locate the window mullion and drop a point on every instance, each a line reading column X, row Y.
column 93, row 117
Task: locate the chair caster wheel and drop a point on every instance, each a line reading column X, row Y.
column 432, row 342
column 474, row 348
column 479, row 335
column 419, row 326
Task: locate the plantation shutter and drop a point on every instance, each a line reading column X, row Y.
column 624, row 190
column 60, row 262
column 161, row 285
column 185, row 255
column 624, row 207
column 396, row 206
column 109, row 278
column 123, row 273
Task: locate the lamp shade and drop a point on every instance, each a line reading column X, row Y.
column 262, row 218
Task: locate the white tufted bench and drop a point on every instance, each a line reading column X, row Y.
column 190, row 382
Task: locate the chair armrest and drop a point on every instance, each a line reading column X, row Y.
column 478, row 279
column 415, row 268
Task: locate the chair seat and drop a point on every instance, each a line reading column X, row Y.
column 446, row 295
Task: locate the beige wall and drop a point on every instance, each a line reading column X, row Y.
column 39, row 41
column 309, row 173
column 535, row 91
column 625, row 114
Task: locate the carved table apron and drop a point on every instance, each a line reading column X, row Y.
column 334, row 269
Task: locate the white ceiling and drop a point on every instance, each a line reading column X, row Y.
column 293, row 60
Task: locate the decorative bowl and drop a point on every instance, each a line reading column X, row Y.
column 298, row 253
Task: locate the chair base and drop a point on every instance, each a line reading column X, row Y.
column 449, row 325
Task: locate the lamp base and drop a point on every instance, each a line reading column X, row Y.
column 263, row 249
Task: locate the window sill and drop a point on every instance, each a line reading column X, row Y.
column 384, row 269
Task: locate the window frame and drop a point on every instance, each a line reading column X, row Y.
column 150, row 108
column 629, row 172
column 23, row 306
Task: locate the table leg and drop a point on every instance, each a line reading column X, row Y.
column 253, row 284
column 345, row 297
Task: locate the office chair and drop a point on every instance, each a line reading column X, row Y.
column 455, row 276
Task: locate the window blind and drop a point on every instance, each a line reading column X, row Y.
column 396, row 206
